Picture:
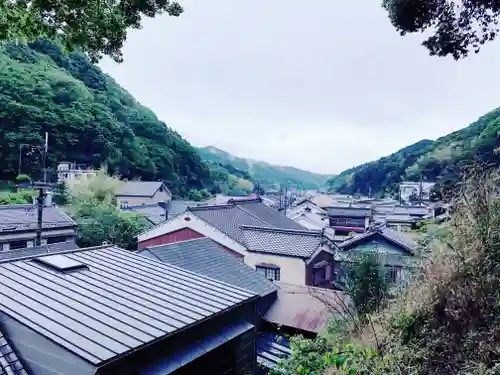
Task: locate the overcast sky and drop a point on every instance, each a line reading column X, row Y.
column 321, row 85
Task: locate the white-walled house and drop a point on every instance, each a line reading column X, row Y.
column 136, row 193
column 264, row 238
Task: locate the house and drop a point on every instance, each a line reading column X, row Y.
column 397, row 251
column 18, row 225
column 401, row 217
column 106, row 311
column 345, row 220
column 222, row 223
column 208, row 258
column 308, row 215
column 419, row 190
column 300, row 257
column 136, row 193
column 69, row 171
column 262, row 237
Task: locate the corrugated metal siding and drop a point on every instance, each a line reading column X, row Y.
column 122, row 301
column 180, row 235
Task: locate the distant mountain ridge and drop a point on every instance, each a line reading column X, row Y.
column 267, row 174
column 443, row 161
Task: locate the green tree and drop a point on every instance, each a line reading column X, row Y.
column 366, row 282
column 457, row 27
column 96, row 27
column 100, row 222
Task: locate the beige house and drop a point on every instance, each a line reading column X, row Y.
column 139, row 193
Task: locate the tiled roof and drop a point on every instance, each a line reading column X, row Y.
column 306, row 308
column 389, row 234
column 282, row 241
column 120, row 302
column 349, row 212
column 23, row 217
column 228, row 218
column 38, row 250
column 208, row 258
column 139, row 188
column 268, row 214
column 9, row 362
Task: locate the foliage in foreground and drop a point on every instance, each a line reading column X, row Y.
column 448, row 320
column 457, row 27
column 96, row 27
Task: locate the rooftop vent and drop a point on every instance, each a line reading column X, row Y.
column 60, row 263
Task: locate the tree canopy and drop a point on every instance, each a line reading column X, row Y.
column 457, row 26
column 96, row 27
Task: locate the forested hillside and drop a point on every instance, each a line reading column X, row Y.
column 267, row 174
column 90, row 120
column 443, row 160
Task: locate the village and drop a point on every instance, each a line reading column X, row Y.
column 232, row 278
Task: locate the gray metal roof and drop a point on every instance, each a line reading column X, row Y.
column 286, row 242
column 139, row 188
column 119, row 303
column 9, row 362
column 349, row 212
column 208, row 258
column 229, row 218
column 38, row 250
column 23, row 217
column 389, row 234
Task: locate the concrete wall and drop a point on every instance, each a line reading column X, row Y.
column 292, row 270
column 40, row 355
column 159, row 197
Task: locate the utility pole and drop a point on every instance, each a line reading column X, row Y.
column 40, row 203
column 286, row 198
column 44, row 157
column 421, row 188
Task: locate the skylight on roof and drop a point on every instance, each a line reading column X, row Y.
column 60, row 263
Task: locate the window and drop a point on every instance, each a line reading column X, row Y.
column 272, row 273
column 18, row 245
column 393, row 273
column 57, row 239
